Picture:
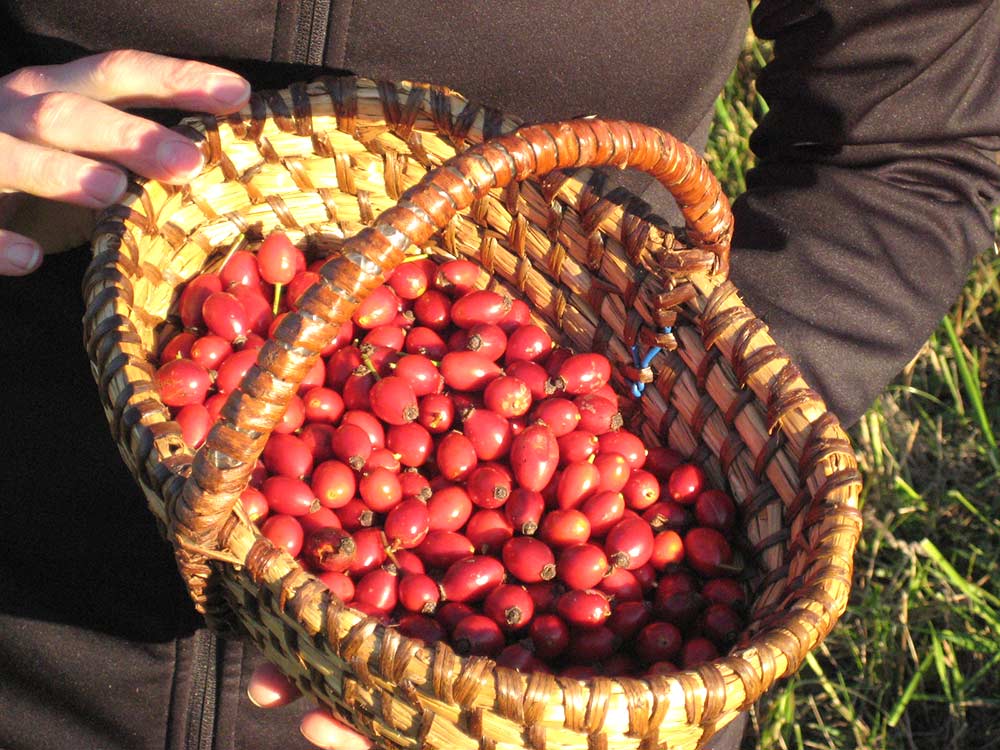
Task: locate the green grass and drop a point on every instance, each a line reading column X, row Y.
column 915, row 661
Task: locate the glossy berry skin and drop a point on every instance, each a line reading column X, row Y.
column 707, row 552
column 193, row 297
column 181, row 382
column 534, row 457
column 583, row 373
column 582, row 566
column 418, row 593
column 195, row 421
column 441, row 549
column 472, row 578
column 278, row 259
column 528, row 560
column 524, row 509
column 481, row 306
column 232, row 371
column 489, row 433
column 455, row 456
column 629, row 544
column 407, row 524
column 287, row 455
column 449, row 508
column 584, row 608
column 697, row 651
column 225, row 316
column 380, row 490
column 685, row 483
column 528, row 342
column 284, row 532
column 378, row 309
column 488, row 529
column 564, row 528
column 377, row 588
column 289, row 496
column 510, row 606
column 393, row 401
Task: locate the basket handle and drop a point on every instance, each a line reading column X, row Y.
column 221, row 468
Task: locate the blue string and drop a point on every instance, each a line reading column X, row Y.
column 642, row 362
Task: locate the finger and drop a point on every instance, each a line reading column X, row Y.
column 269, row 688
column 322, row 730
column 72, row 122
column 18, row 255
column 141, row 79
column 49, row 173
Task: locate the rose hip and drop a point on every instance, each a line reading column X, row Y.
column 597, row 415
column 378, row 589
column 477, row 635
column 489, row 433
column 418, row 593
column 351, row 445
column 583, row 373
column 379, row 308
column 340, row 585
column 716, row 509
column 449, row 508
column 393, row 401
column 407, row 524
column 284, row 532
column 685, row 483
column 584, row 608
column 707, row 552
column 181, row 382
column 510, row 606
column 421, row 628
column 289, row 496
column 534, row 457
column 488, row 529
column 549, row 636
column 441, row 549
column 472, row 578
column 668, row 549
column 560, row 414
column 524, row 509
column 582, row 566
column 629, row 544
column 329, row 549
column 562, row 528
column 195, row 421
column 658, row 641
column 528, row 560
column 370, row 552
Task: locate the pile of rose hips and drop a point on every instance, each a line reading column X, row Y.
column 447, row 469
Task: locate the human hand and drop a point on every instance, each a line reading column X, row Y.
column 269, row 688
column 64, row 137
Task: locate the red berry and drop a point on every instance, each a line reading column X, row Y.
column 181, row 382
column 685, row 482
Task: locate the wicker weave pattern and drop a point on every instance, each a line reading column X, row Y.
column 322, row 161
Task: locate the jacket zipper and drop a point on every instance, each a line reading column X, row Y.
column 310, row 32
column 202, row 703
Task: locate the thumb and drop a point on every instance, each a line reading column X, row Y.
column 19, row 255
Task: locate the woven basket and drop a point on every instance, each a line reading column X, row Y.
column 322, row 161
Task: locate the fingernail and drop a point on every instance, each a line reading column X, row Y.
column 179, row 157
column 103, row 183
column 23, row 256
column 229, row 91
column 251, row 698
